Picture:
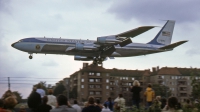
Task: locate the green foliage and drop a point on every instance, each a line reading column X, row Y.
column 161, row 90
column 195, row 86
column 59, row 89
column 18, row 96
column 73, row 93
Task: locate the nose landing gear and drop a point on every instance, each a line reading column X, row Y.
column 31, row 56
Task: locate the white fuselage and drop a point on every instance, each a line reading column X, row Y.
column 65, row 46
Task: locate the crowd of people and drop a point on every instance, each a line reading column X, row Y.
column 38, row 101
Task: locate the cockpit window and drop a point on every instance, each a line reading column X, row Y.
column 20, row 41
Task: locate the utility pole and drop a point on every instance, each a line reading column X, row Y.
column 8, row 83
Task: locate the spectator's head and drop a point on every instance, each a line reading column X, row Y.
column 91, row 100
column 62, row 100
column 136, row 83
column 149, row 85
column 50, row 91
column 120, row 95
column 1, row 103
column 158, row 98
column 97, row 101
column 75, row 102
column 173, row 102
column 44, row 99
column 10, row 102
column 105, row 105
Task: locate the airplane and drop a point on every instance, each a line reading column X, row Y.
column 104, row 47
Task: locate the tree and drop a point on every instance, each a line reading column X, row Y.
column 18, row 96
column 195, row 87
column 73, row 93
column 59, row 89
column 161, row 90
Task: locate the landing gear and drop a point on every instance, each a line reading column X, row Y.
column 31, row 56
column 98, row 60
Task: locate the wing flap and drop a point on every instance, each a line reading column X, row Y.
column 171, row 46
column 135, row 32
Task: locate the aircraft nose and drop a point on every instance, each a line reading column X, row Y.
column 13, row 44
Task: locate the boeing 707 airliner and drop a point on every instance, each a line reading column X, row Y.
column 111, row 46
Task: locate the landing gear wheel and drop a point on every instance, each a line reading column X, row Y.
column 30, row 57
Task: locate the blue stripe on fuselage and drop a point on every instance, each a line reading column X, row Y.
column 56, row 41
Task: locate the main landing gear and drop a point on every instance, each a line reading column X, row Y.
column 31, row 56
column 98, row 60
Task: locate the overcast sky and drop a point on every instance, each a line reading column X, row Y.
column 88, row 19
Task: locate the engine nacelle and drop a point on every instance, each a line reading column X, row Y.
column 80, row 46
column 83, row 58
column 107, row 40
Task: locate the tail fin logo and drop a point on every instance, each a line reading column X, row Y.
column 165, row 33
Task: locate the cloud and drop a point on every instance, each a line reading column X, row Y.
column 151, row 11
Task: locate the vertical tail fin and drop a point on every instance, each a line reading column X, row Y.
column 164, row 36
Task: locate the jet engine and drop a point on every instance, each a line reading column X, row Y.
column 107, row 40
column 80, row 46
column 83, row 58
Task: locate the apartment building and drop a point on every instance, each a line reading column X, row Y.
column 97, row 81
column 102, row 83
column 177, row 79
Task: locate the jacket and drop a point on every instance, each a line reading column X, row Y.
column 121, row 103
column 136, row 92
column 150, row 94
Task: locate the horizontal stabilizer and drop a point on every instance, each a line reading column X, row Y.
column 135, row 32
column 171, row 46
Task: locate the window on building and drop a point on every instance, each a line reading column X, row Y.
column 91, row 80
column 98, row 93
column 91, row 86
column 82, row 80
column 107, row 80
column 97, row 80
column 82, row 86
column 98, row 86
column 133, row 78
column 107, row 87
column 129, row 83
column 98, row 74
column 107, row 74
column 91, row 92
column 91, row 73
column 126, row 78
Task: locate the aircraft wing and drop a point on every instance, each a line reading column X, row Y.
column 171, row 46
column 135, row 32
column 106, row 43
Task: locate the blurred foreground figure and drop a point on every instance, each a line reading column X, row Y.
column 1, row 106
column 76, row 106
column 120, row 104
column 10, row 103
column 62, row 105
column 136, row 89
column 91, row 107
column 51, row 99
column 44, row 107
column 172, row 105
column 109, row 103
column 34, row 100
